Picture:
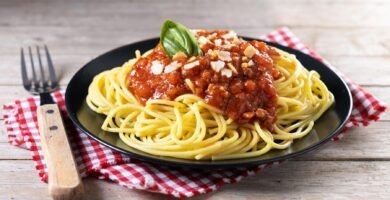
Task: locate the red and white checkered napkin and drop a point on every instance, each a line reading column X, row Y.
column 97, row 160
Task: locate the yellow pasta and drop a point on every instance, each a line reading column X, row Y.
column 189, row 128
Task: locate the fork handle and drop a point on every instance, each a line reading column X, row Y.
column 64, row 179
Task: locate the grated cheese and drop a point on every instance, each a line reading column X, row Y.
column 190, row 85
column 230, row 34
column 191, row 59
column 217, row 65
column 236, row 41
column 212, row 36
column 226, row 72
column 218, row 42
column 251, row 63
column 250, row 51
column 224, row 55
column 179, row 55
column 203, row 40
column 230, row 65
column 227, row 46
column 172, row 67
column 191, row 65
column 244, row 65
column 157, row 67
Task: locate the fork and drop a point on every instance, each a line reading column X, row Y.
column 64, row 179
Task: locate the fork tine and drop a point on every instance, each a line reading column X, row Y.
column 53, row 78
column 41, row 66
column 23, row 69
column 34, row 76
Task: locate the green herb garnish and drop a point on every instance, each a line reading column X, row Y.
column 176, row 38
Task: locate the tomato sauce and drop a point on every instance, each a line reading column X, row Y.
column 243, row 87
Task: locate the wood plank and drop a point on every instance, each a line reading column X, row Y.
column 28, row 186
column 9, row 152
column 298, row 13
column 95, row 40
column 318, row 180
column 360, row 69
column 314, row 180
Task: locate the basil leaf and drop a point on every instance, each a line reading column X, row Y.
column 176, row 38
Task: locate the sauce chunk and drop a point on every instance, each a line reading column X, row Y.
column 233, row 75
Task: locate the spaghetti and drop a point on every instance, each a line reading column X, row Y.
column 189, row 127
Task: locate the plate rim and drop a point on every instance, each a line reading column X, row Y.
column 211, row 164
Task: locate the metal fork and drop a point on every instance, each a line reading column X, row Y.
column 64, row 179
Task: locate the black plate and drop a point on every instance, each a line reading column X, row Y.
column 329, row 125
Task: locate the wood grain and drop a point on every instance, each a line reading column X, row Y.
column 291, row 180
column 92, row 40
column 354, row 35
column 324, row 13
column 64, row 178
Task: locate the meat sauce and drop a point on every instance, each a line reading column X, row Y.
column 233, row 75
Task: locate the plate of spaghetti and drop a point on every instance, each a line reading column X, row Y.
column 208, row 98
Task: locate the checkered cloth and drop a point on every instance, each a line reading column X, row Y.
column 99, row 161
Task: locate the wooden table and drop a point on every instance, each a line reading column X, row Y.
column 354, row 35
